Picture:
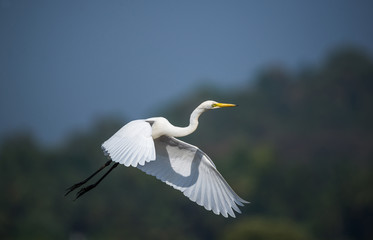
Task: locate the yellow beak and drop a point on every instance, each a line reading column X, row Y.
column 225, row 105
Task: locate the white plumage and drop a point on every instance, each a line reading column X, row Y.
column 132, row 144
column 151, row 146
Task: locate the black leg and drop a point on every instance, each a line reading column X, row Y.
column 90, row 187
column 75, row 186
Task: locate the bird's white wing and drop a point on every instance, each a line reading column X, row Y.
column 188, row 169
column 132, row 144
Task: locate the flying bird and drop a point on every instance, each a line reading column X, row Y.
column 151, row 146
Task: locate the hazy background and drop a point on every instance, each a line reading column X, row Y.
column 299, row 147
column 64, row 64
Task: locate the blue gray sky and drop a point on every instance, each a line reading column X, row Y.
column 64, row 64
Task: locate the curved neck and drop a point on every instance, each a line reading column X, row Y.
column 193, row 124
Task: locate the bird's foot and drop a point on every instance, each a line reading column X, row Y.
column 73, row 187
column 84, row 190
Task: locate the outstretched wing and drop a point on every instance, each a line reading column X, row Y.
column 132, row 144
column 188, row 169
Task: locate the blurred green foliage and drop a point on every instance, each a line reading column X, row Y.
column 299, row 148
column 262, row 229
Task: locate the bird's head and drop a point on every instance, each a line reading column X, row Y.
column 214, row 105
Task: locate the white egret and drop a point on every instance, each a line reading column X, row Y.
column 151, row 146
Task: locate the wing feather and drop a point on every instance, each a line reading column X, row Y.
column 132, row 144
column 223, row 202
column 230, row 202
column 189, row 170
column 213, row 197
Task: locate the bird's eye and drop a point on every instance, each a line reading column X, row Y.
column 214, row 105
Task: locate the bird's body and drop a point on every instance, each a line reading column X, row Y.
column 161, row 126
column 151, row 145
